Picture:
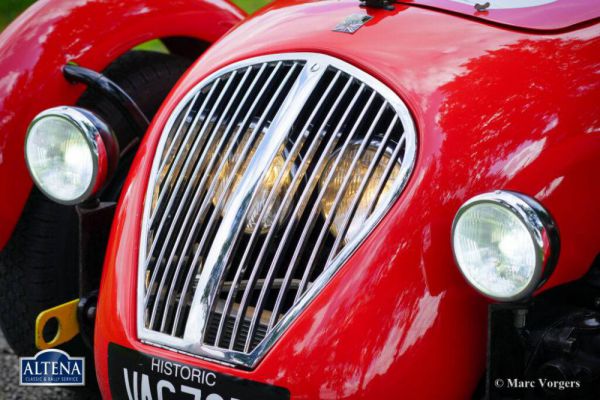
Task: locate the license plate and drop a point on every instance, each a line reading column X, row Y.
column 137, row 376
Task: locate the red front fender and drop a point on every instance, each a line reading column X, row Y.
column 91, row 33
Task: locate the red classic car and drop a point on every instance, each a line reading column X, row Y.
column 338, row 200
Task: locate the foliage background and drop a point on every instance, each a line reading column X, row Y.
column 10, row 9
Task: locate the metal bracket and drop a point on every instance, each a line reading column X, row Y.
column 67, row 325
column 110, row 90
column 77, row 316
column 382, row 4
column 95, row 220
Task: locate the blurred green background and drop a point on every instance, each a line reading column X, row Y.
column 10, row 9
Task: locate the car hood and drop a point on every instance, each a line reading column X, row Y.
column 539, row 15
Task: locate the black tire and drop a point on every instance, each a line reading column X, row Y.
column 38, row 267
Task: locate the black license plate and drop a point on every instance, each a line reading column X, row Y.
column 137, row 376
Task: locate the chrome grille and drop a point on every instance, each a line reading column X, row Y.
column 267, row 177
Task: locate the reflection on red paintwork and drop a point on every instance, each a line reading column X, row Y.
column 508, row 129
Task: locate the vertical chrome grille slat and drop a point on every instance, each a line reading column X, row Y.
column 199, row 164
column 179, row 179
column 325, row 228
column 224, row 194
column 259, row 126
column 201, row 214
column 317, row 204
column 177, row 135
column 360, row 192
column 297, row 146
column 220, row 202
column 300, row 206
column 244, row 222
column 243, row 304
column 214, row 182
column 197, row 195
column 181, row 155
column 386, row 173
column 225, row 239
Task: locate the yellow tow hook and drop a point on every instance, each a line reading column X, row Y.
column 67, row 324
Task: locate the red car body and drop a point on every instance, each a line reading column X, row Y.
column 35, row 47
column 500, row 102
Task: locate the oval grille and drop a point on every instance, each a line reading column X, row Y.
column 267, row 177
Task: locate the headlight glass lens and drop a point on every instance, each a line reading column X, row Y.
column 365, row 204
column 494, row 250
column 59, row 158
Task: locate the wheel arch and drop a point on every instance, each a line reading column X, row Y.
column 91, row 33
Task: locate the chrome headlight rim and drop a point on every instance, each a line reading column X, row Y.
column 539, row 224
column 99, row 138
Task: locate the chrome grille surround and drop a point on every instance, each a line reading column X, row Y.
column 293, row 90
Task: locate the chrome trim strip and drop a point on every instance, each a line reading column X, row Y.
column 313, row 181
column 238, row 205
column 231, row 127
column 365, row 180
column 178, row 133
column 192, row 340
column 283, row 206
column 302, row 203
column 317, row 206
column 182, row 152
column 197, row 169
column 196, row 197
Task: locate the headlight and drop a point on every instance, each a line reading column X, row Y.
column 505, row 244
column 365, row 205
column 260, row 199
column 70, row 153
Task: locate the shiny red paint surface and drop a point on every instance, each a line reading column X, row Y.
column 549, row 16
column 495, row 109
column 92, row 33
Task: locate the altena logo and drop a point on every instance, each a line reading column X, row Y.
column 52, row 368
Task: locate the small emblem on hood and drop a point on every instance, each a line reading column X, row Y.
column 352, row 23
